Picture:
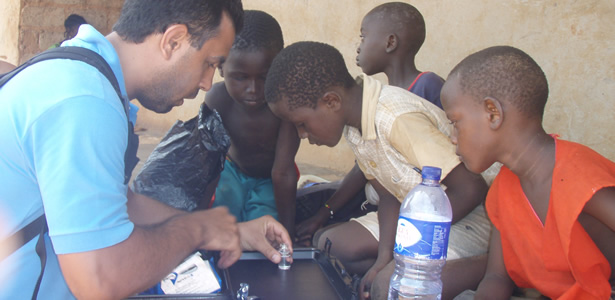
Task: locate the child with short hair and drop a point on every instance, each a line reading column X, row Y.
column 553, row 202
column 71, row 27
column 393, row 134
column 259, row 176
column 391, row 36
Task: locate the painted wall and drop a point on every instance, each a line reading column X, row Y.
column 42, row 21
column 9, row 31
column 573, row 41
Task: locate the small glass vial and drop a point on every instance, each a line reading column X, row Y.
column 285, row 254
column 242, row 292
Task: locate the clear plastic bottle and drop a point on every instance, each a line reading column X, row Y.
column 422, row 239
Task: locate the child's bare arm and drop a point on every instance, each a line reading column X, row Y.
column 465, row 190
column 388, row 213
column 284, row 175
column 602, row 207
column 496, row 284
column 352, row 183
column 598, row 220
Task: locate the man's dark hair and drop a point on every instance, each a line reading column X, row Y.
column 74, row 20
column 507, row 74
column 405, row 20
column 141, row 18
column 260, row 31
column 303, row 71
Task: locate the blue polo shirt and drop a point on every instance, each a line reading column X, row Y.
column 63, row 136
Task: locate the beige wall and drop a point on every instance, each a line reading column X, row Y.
column 9, row 25
column 573, row 41
column 42, row 21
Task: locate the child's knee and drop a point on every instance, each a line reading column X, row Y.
column 321, row 236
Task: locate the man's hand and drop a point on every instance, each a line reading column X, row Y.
column 219, row 232
column 264, row 235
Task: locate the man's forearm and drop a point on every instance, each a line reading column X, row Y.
column 133, row 265
column 143, row 210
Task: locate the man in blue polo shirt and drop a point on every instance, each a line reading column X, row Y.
column 63, row 135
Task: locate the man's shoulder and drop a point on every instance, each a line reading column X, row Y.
column 61, row 76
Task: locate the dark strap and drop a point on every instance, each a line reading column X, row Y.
column 94, row 59
column 42, row 255
column 75, row 53
column 23, row 236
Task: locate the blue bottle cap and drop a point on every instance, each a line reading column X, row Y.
column 431, row 173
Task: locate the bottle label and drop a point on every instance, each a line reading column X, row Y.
column 422, row 239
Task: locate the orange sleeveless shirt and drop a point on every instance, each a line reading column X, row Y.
column 558, row 259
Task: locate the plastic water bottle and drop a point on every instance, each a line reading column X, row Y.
column 422, row 240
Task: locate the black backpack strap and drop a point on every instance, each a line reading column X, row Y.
column 42, row 255
column 39, row 226
column 75, row 53
column 23, row 236
column 94, row 59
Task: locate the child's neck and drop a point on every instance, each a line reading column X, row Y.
column 354, row 111
column 402, row 72
column 533, row 161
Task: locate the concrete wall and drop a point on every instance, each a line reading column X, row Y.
column 9, row 31
column 42, row 21
column 572, row 40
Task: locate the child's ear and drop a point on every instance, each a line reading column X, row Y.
column 173, row 39
column 495, row 114
column 392, row 43
column 332, row 100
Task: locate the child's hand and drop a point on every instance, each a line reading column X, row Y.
column 366, row 283
column 306, row 229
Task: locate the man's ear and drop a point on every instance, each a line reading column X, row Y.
column 392, row 43
column 332, row 100
column 495, row 113
column 173, row 39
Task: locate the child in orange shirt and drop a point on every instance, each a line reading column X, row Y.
column 553, row 202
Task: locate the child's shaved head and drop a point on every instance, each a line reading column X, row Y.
column 260, row 31
column 507, row 74
column 404, row 20
column 303, row 71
